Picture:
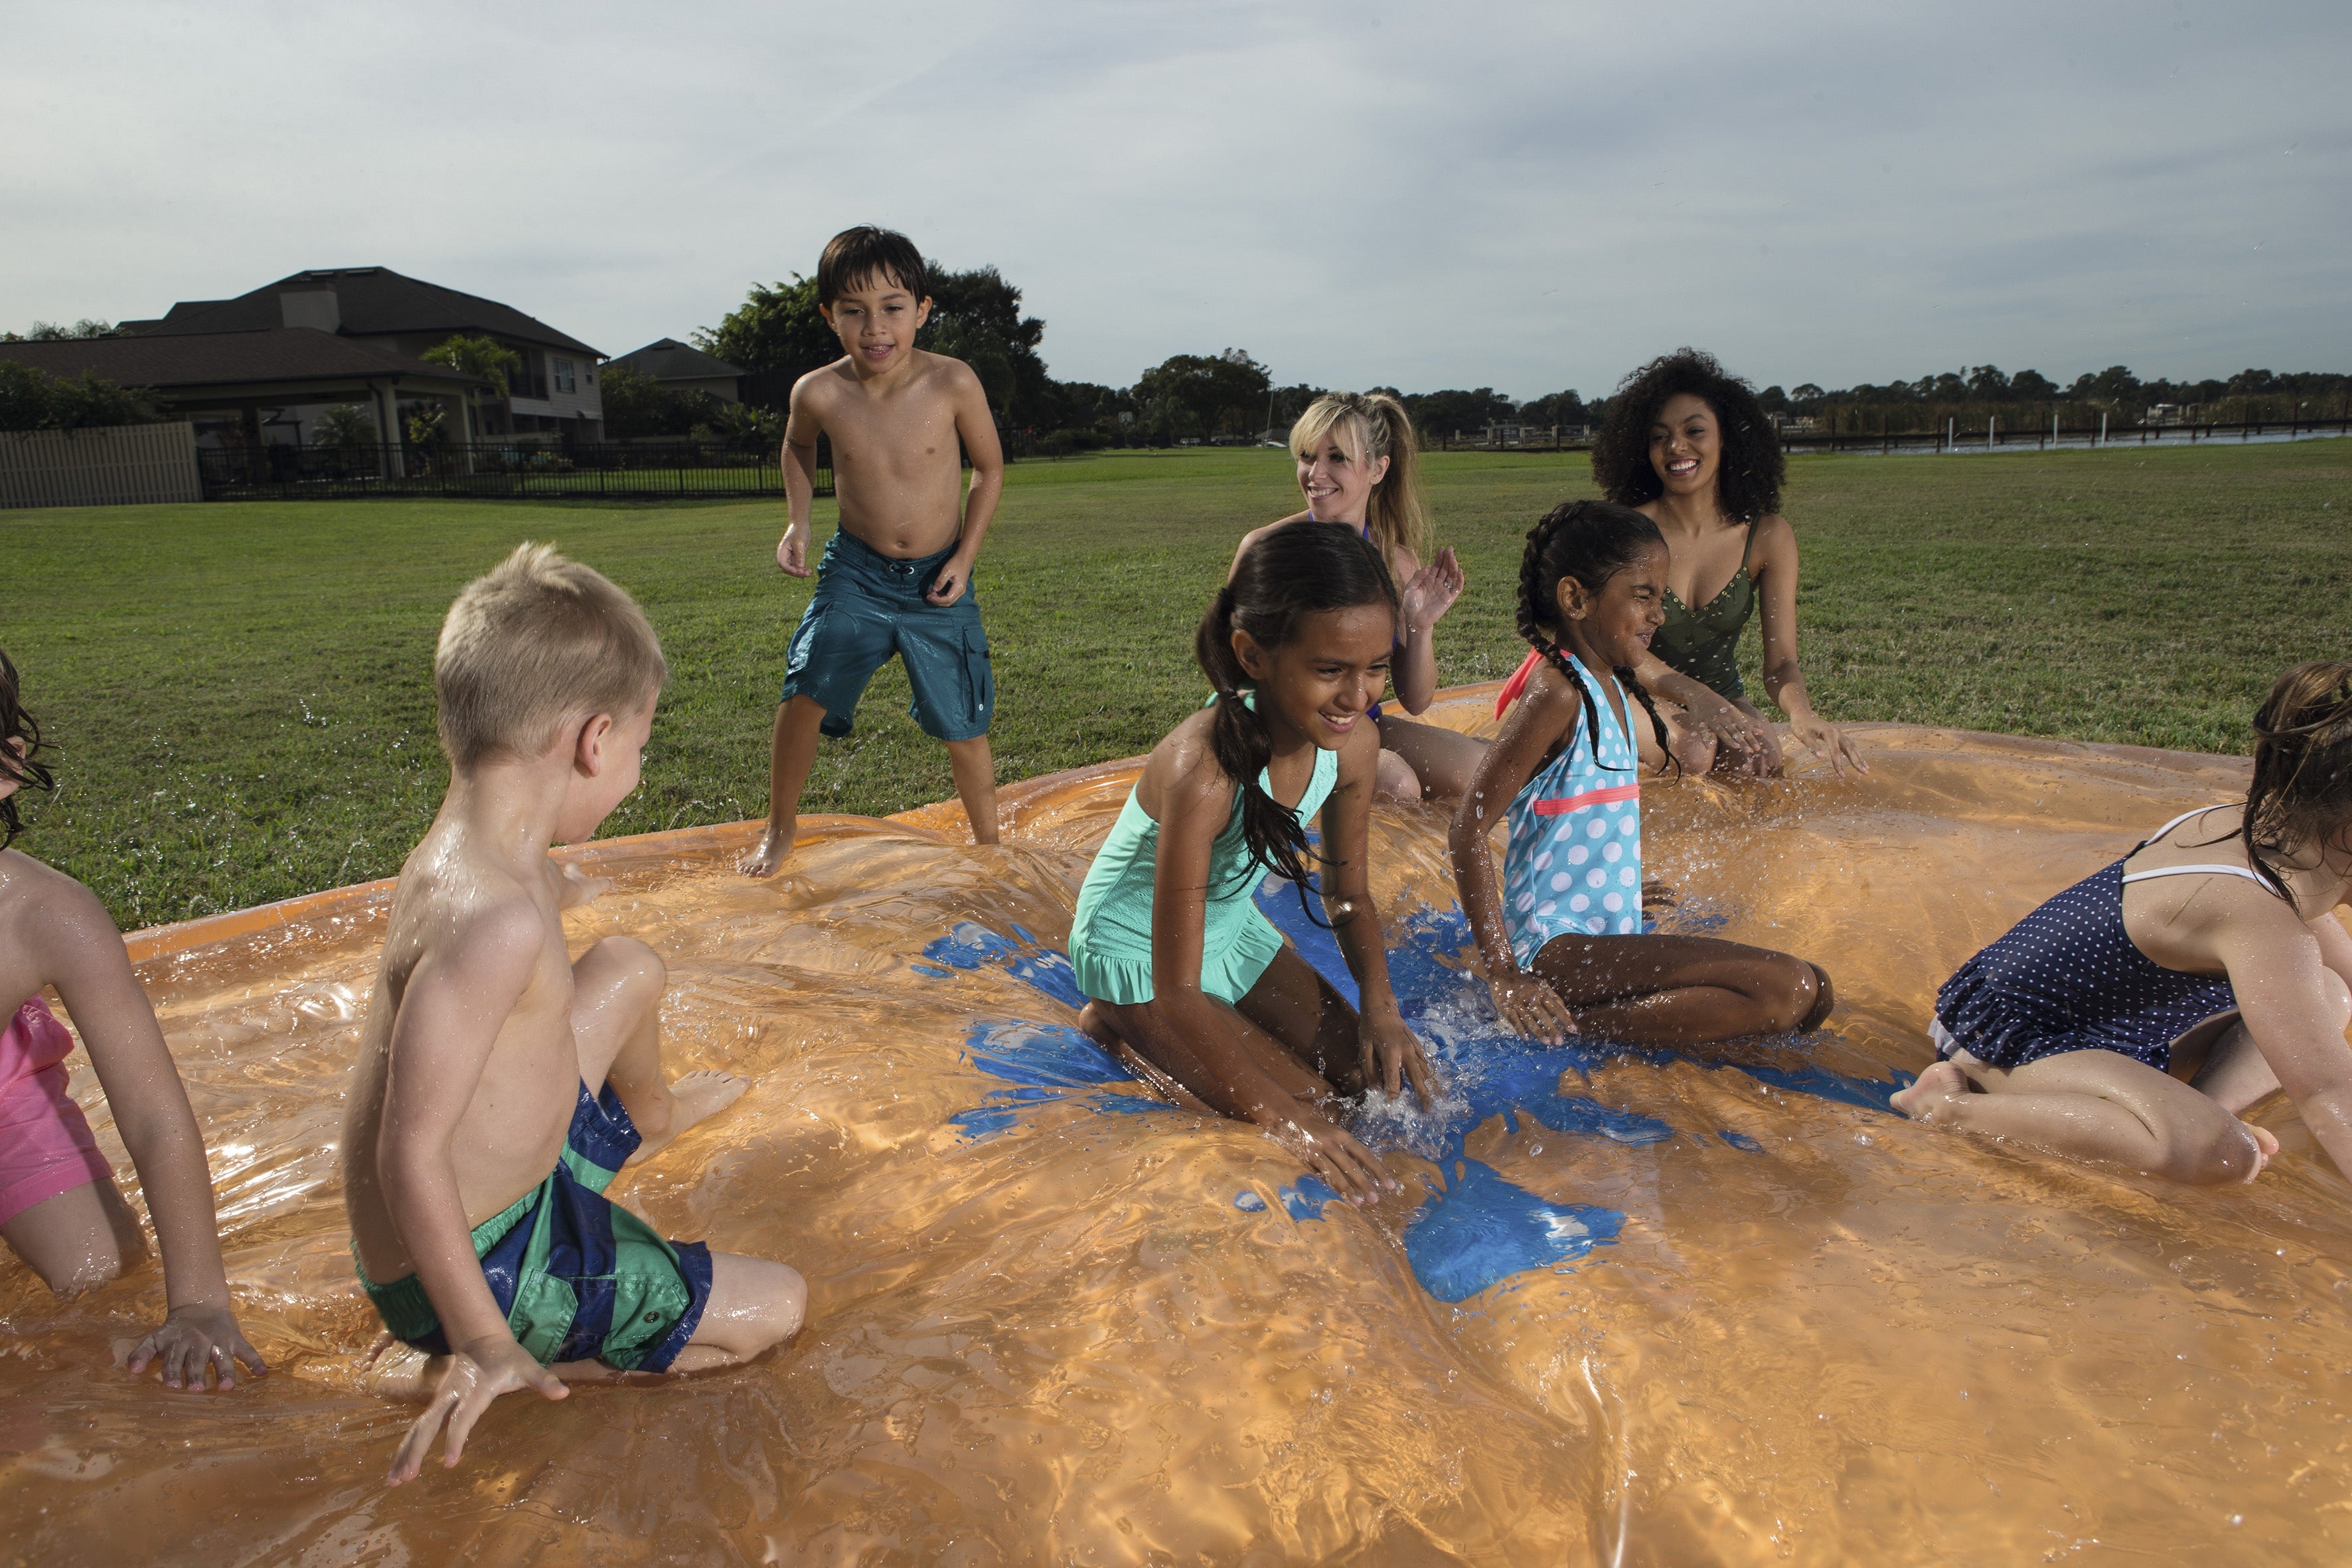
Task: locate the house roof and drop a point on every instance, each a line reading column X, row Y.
column 222, row 359
column 373, row 301
column 667, row 359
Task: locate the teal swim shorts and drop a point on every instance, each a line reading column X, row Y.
column 577, row 1276
column 869, row 605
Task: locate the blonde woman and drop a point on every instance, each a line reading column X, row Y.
column 1358, row 464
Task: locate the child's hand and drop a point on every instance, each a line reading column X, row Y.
column 1330, row 1153
column 948, row 586
column 579, row 887
column 1528, row 1007
column 1392, row 1056
column 1693, row 747
column 193, row 1340
column 1432, row 591
column 791, row 552
column 479, row 1372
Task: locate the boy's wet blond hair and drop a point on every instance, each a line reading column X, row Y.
column 537, row 643
column 1369, row 426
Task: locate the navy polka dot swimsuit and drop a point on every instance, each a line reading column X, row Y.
column 2068, row 977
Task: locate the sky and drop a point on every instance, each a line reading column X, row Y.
column 1525, row 197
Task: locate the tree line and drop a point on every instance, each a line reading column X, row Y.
column 776, row 335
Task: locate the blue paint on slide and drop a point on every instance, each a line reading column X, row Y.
column 1483, row 1229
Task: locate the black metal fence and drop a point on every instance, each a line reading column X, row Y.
column 642, row 470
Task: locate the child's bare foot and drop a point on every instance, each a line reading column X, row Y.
column 692, row 1098
column 773, row 847
column 2266, row 1147
column 397, row 1371
column 1937, row 1090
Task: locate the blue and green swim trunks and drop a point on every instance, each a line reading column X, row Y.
column 577, row 1276
column 869, row 605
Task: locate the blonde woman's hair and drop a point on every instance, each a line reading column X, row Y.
column 1369, row 426
column 537, row 643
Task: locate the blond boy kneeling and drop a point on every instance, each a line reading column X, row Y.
column 501, row 1086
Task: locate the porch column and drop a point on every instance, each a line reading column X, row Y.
column 387, row 421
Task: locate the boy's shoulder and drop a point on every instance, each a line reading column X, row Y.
column 450, row 901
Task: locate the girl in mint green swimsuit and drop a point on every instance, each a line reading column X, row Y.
column 1180, row 970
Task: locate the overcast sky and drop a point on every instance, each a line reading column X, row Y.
column 1531, row 196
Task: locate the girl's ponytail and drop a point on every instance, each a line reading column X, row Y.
column 2302, row 791
column 1298, row 569
column 1374, row 425
column 20, row 746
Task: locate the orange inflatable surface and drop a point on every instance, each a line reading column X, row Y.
column 1632, row 1307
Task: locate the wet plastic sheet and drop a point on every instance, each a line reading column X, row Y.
column 1633, row 1307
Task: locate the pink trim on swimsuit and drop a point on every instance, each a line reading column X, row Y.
column 46, row 1147
column 1560, row 805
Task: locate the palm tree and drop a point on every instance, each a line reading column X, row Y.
column 470, row 355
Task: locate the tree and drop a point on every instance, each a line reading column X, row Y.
column 51, row 332
column 1988, row 382
column 1438, row 414
column 33, row 399
column 1805, row 393
column 1772, row 399
column 476, row 356
column 348, row 431
column 2032, row 386
column 469, row 354
column 637, row 405
column 776, row 335
column 1205, row 395
column 976, row 318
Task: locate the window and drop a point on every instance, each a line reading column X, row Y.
column 564, row 376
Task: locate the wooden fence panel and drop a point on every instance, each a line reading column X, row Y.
column 116, row 464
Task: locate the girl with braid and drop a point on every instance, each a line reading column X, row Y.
column 1184, row 976
column 1564, row 947
column 2136, row 1016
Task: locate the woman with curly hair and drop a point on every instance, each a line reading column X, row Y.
column 1686, row 445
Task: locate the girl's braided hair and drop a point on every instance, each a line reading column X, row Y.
column 18, row 726
column 2302, row 792
column 1590, row 541
column 1294, row 570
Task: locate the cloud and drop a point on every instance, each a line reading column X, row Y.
column 1531, row 196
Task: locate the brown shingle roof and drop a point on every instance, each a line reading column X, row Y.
column 667, row 359
column 217, row 359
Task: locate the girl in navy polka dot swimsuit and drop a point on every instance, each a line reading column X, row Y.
column 1563, row 948
column 2136, row 1014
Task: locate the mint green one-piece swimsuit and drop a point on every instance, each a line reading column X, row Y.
column 1110, row 940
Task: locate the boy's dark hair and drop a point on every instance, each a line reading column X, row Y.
column 1747, row 482
column 855, row 255
column 17, row 725
column 1590, row 541
column 2302, row 792
column 1295, row 570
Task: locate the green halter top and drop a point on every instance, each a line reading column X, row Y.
column 1704, row 644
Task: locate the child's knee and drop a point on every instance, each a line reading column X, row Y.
column 1794, row 988
column 2220, row 1152
column 637, row 971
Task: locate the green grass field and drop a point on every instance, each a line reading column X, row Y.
column 241, row 693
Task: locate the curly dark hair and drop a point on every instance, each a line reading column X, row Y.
column 2303, row 767
column 1747, row 484
column 16, row 724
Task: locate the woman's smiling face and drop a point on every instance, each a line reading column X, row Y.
column 1339, row 483
column 1685, row 445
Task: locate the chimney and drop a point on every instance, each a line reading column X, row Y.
column 315, row 306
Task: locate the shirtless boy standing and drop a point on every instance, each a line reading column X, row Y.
column 896, row 576
column 500, row 1085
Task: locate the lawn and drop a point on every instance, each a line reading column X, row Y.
column 241, row 693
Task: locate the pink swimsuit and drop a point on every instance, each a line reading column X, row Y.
column 46, row 1147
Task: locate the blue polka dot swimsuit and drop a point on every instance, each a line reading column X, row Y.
column 1573, row 864
column 2068, row 977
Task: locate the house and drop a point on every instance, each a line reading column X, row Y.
column 257, row 388
column 551, row 390
column 679, row 367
